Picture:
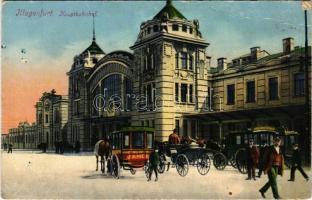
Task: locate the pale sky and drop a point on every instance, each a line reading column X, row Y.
column 51, row 42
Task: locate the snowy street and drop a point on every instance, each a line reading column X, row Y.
column 37, row 175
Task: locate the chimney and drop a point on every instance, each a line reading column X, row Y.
column 288, row 45
column 222, row 64
column 254, row 53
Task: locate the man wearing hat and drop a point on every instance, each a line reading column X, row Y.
column 153, row 161
column 252, row 159
column 296, row 164
column 273, row 167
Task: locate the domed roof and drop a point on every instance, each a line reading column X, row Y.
column 170, row 10
column 93, row 49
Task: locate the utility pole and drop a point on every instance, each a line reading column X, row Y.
column 306, row 60
column 307, row 90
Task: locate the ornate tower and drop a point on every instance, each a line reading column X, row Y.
column 170, row 71
column 78, row 128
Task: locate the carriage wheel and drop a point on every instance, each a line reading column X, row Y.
column 115, row 166
column 162, row 164
column 219, row 161
column 241, row 161
column 203, row 164
column 182, row 165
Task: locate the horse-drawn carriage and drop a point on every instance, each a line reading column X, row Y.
column 181, row 156
column 127, row 149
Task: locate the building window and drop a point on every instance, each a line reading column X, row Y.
column 148, row 30
column 191, row 30
column 230, row 94
column 299, row 84
column 149, row 94
column 191, row 93
column 184, row 60
column 273, row 88
column 177, row 126
column 40, row 118
column 191, row 62
column 185, row 127
column 175, row 27
column 46, row 118
column 193, row 128
column 183, row 92
column 147, row 123
column 184, row 28
column 177, row 92
column 251, row 92
column 155, row 28
column 153, row 123
column 177, row 60
column 149, row 62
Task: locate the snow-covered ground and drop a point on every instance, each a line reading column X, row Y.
column 36, row 175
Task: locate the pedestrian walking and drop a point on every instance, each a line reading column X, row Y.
column 252, row 160
column 263, row 154
column 273, row 167
column 10, row 148
column 296, row 164
column 153, row 163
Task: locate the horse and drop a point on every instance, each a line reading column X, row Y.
column 102, row 148
column 187, row 140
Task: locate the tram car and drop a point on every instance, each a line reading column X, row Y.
column 235, row 144
column 131, row 148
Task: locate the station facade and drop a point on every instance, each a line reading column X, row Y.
column 167, row 82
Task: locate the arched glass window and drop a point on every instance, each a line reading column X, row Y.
column 113, row 93
column 112, row 90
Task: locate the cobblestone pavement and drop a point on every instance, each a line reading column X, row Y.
column 38, row 175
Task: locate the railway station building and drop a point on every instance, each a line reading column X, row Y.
column 167, row 82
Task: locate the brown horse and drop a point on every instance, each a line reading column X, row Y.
column 102, row 148
column 187, row 140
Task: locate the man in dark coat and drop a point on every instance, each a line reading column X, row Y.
column 273, row 166
column 252, row 160
column 10, row 148
column 154, row 161
column 296, row 164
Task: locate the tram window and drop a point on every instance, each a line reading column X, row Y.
column 149, row 140
column 126, row 141
column 292, row 139
column 137, row 140
column 116, row 141
column 238, row 139
column 271, row 140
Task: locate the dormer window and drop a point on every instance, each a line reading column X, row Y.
column 184, row 28
column 191, row 30
column 175, row 27
column 155, row 28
